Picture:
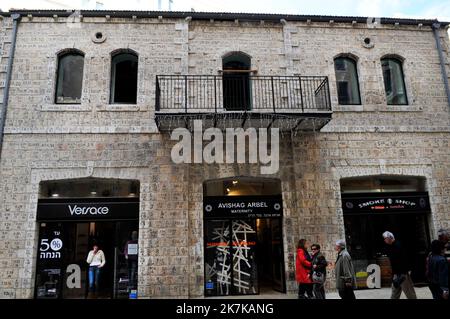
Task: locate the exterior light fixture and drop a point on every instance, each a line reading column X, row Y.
column 94, row 189
column 133, row 190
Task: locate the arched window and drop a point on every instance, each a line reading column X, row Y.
column 236, row 81
column 347, row 81
column 69, row 80
column 394, row 83
column 124, row 67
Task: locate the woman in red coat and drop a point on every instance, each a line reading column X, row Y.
column 303, row 270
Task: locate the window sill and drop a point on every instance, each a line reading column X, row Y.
column 377, row 108
column 119, row 108
column 64, row 108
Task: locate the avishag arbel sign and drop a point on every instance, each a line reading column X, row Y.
column 88, row 209
column 385, row 202
column 242, row 207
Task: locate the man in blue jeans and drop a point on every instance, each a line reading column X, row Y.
column 96, row 260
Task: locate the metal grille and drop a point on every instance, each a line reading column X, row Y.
column 222, row 93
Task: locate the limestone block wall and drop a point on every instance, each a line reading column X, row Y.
column 45, row 141
column 5, row 45
column 177, row 46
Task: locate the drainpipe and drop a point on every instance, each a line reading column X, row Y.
column 436, row 27
column 16, row 18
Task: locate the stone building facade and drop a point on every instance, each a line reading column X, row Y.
column 44, row 141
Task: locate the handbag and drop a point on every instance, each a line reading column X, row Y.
column 318, row 277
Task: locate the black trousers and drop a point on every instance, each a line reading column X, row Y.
column 305, row 289
column 436, row 291
column 347, row 293
column 319, row 291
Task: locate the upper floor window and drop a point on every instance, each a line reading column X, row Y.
column 394, row 84
column 236, row 81
column 124, row 67
column 347, row 81
column 69, row 81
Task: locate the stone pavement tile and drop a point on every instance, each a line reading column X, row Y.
column 383, row 293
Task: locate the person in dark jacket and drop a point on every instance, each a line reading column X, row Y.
column 401, row 270
column 444, row 237
column 319, row 272
column 303, row 270
column 438, row 271
column 344, row 271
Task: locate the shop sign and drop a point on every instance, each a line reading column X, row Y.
column 242, row 206
column 393, row 202
column 87, row 210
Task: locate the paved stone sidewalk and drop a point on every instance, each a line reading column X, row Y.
column 383, row 293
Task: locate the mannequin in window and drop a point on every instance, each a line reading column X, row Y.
column 131, row 255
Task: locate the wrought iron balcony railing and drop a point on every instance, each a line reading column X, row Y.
column 213, row 96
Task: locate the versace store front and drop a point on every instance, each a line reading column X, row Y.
column 76, row 215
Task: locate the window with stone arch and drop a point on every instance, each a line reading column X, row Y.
column 69, row 82
column 236, row 81
column 347, row 80
column 124, row 74
column 394, row 81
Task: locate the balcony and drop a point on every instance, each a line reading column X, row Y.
column 289, row 103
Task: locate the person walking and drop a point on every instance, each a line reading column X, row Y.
column 437, row 271
column 401, row 270
column 319, row 272
column 344, row 271
column 444, row 237
column 303, row 270
column 96, row 260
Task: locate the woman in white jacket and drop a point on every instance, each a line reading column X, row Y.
column 96, row 260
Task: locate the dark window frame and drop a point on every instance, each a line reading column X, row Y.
column 112, row 83
column 61, row 56
column 355, row 63
column 237, row 87
column 399, row 61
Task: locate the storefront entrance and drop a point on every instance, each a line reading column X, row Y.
column 404, row 213
column 68, row 230
column 66, row 276
column 243, row 244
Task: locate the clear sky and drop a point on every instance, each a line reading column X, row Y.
column 373, row 8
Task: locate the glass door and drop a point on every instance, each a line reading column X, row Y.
column 245, row 271
column 62, row 270
column 126, row 260
column 230, row 258
column 49, row 272
column 75, row 268
column 217, row 258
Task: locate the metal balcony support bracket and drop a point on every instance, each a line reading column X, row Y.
column 245, row 116
column 271, row 122
column 298, row 124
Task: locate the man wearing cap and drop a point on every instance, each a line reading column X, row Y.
column 401, row 270
column 345, row 274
